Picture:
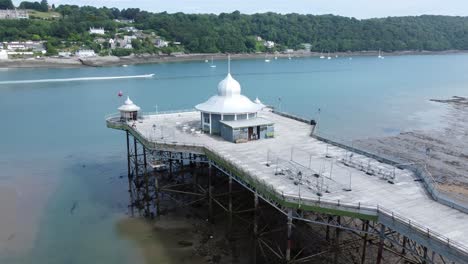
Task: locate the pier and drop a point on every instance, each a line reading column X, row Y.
column 307, row 180
column 301, row 197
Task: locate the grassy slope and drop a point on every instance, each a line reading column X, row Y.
column 44, row 15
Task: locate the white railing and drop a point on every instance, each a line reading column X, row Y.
column 169, row 112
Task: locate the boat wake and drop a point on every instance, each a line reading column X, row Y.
column 145, row 76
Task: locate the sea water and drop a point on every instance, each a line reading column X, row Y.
column 63, row 197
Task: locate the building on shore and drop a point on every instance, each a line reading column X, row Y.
column 85, row 53
column 307, row 46
column 232, row 115
column 97, row 31
column 34, row 46
column 14, row 14
column 64, row 54
column 3, row 54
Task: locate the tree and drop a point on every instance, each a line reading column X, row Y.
column 30, row 5
column 6, row 4
column 44, row 6
column 236, row 32
column 51, row 50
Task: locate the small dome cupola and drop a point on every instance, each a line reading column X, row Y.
column 229, row 87
column 129, row 110
column 129, row 106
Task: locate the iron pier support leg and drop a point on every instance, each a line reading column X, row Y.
column 230, row 207
column 195, row 181
column 255, row 229
column 337, row 240
column 381, row 244
column 181, row 160
column 424, row 261
column 170, row 165
column 157, row 195
column 403, row 250
column 210, row 201
column 136, row 180
column 147, row 195
column 132, row 212
column 327, row 234
column 365, row 228
column 289, row 244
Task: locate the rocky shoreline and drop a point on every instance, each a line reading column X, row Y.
column 105, row 61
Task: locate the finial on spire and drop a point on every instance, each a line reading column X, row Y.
column 229, row 63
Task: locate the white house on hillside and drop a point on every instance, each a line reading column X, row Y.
column 161, row 43
column 97, row 31
column 14, row 14
column 269, row 44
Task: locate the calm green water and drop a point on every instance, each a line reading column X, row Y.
column 54, row 143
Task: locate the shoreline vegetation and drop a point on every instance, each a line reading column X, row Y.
column 77, row 36
column 105, row 61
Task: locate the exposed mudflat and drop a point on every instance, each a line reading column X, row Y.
column 447, row 148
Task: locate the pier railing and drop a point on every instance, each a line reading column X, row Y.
column 419, row 169
column 169, row 112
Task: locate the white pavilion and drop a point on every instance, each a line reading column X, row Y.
column 232, row 115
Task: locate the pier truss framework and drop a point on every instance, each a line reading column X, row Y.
column 160, row 180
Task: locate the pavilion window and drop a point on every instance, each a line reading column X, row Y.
column 206, row 118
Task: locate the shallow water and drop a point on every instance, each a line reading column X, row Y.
column 62, row 200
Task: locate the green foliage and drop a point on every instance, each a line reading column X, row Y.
column 44, row 6
column 51, row 50
column 30, row 5
column 6, row 4
column 235, row 32
column 119, row 52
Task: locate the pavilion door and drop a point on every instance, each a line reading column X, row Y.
column 250, row 133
